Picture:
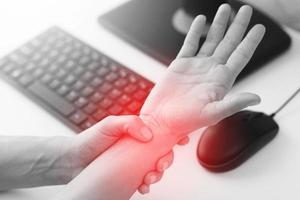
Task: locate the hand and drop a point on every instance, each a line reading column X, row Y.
column 192, row 94
column 163, row 164
column 89, row 144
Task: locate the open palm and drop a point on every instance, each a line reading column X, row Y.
column 192, row 94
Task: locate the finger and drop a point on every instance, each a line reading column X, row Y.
column 114, row 127
column 234, row 35
column 243, row 53
column 191, row 43
column 217, row 111
column 152, row 177
column 183, row 141
column 165, row 162
column 216, row 31
column 144, row 189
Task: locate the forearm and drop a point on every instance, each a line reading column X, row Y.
column 32, row 161
column 118, row 172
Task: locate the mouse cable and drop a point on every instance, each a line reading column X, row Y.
column 286, row 102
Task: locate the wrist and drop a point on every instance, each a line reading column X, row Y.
column 158, row 129
column 69, row 163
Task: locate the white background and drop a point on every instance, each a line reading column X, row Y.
column 273, row 173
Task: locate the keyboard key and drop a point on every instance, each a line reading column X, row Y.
column 115, row 109
column 30, row 66
column 143, row 85
column 78, row 117
column 81, row 102
column 26, row 50
column 46, row 78
column 90, row 108
column 26, row 79
column 61, row 73
column 38, row 73
column 111, row 77
column 134, row 106
column 115, row 93
column 86, row 50
column 70, row 79
column 61, row 60
column 3, row 61
column 93, row 66
column 70, row 65
column 124, row 99
column 95, row 55
column 100, row 114
column 72, row 96
column 8, row 68
column 87, row 76
column 105, row 103
column 78, row 71
column 75, row 54
column 96, row 97
column 53, row 68
column 130, row 89
column 140, row 95
column 16, row 73
column 53, row 54
column 133, row 79
column 113, row 67
column 102, row 71
column 54, row 84
column 123, row 73
column 96, row 82
column 62, row 90
column 78, row 85
column 36, row 57
column 67, row 50
column 51, row 98
column 87, row 91
column 121, row 82
column 104, row 62
column 84, row 60
column 88, row 123
column 104, row 88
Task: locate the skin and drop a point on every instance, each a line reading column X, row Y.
column 57, row 160
column 195, row 85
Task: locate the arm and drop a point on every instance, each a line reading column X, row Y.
column 32, row 161
column 38, row 161
column 118, row 172
column 191, row 95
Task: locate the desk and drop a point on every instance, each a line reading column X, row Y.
column 273, row 173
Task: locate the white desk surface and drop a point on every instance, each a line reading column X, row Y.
column 273, row 173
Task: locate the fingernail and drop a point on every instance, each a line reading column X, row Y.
column 152, row 179
column 255, row 102
column 146, row 190
column 146, row 133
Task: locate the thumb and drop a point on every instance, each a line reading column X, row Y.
column 216, row 111
column 114, row 127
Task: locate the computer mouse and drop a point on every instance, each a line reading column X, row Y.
column 233, row 140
